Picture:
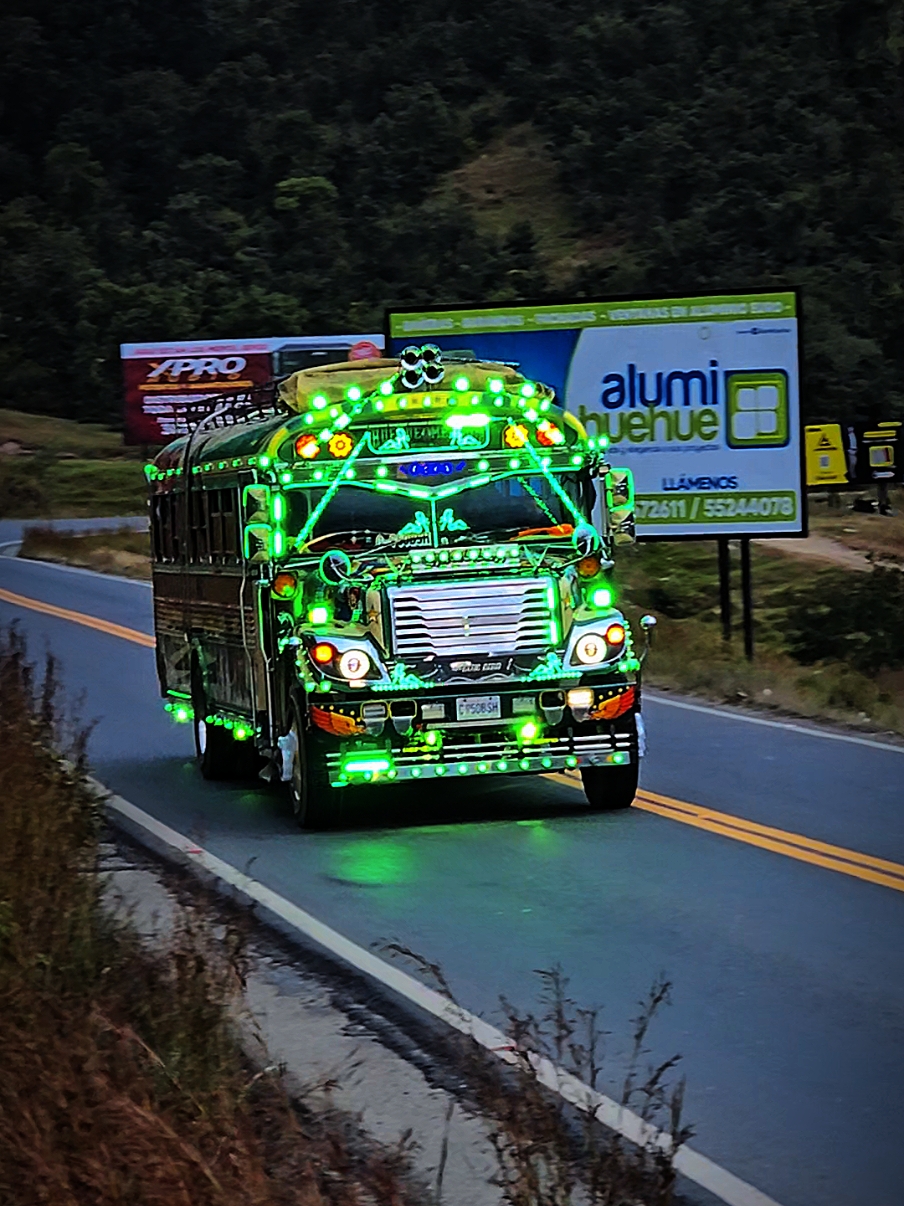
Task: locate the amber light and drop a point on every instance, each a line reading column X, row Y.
column 515, row 436
column 340, row 445
column 285, row 585
column 615, row 634
column 589, row 567
column 307, row 446
column 323, row 653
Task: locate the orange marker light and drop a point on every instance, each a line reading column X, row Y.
column 549, row 435
column 589, row 567
column 307, row 446
column 615, row 634
column 285, row 585
column 340, row 445
column 322, row 653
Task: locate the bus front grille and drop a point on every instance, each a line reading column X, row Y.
column 484, row 617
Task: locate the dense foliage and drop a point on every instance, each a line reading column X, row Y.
column 854, row 618
column 249, row 167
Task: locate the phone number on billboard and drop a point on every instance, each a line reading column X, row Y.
column 758, row 507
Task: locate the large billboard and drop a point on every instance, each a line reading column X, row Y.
column 697, row 395
column 162, row 378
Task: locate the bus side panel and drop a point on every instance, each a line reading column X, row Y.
column 173, row 648
column 216, row 625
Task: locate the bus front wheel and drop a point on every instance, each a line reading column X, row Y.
column 309, row 786
column 610, row 788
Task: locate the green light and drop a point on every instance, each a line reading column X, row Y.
column 524, row 763
column 603, row 441
column 378, row 404
column 483, row 466
column 495, row 385
column 463, row 768
column 324, row 687
column 544, row 405
column 263, row 462
column 602, row 598
column 386, row 389
column 319, row 615
column 353, row 393
column 473, row 554
column 462, row 383
column 334, row 412
column 514, row 463
column 502, row 765
column 416, row 772
column 240, row 733
column 285, row 478
column 431, row 737
column 318, row 475
column 277, row 507
column 571, row 760
column 351, row 473
column 277, row 544
column 319, row 401
column 440, row 770
column 553, row 632
column 527, row 390
column 482, row 767
column 577, row 460
column 309, row 686
column 389, row 487
column 182, row 715
column 382, row 471
column 309, row 418
column 531, row 415
column 618, row 759
column 528, row 731
column 547, row 762
column 362, row 766
column 459, row 421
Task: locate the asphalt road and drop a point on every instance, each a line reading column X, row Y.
column 788, row 978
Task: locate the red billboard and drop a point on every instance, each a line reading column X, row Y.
column 162, row 378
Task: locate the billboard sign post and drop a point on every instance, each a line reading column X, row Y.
column 698, row 395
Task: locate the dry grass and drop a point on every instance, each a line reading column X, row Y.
column 124, row 552
column 62, row 436
column 123, row 1080
column 879, row 534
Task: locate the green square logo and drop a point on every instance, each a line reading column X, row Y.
column 756, row 408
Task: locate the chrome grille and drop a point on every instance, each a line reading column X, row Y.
column 483, row 617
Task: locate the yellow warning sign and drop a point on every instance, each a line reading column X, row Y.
column 826, row 465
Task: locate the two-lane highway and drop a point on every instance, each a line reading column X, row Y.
column 763, row 874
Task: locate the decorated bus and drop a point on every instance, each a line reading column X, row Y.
column 389, row 570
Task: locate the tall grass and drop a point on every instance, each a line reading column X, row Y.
column 122, row 1077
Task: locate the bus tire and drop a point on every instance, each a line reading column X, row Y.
column 214, row 746
column 309, row 786
column 610, row 788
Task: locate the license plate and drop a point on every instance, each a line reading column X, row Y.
column 478, row 707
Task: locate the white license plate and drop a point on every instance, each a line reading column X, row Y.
column 478, row 707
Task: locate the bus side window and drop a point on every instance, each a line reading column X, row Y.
column 157, row 526
column 176, row 520
column 200, row 531
column 230, row 517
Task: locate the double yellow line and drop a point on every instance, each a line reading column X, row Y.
column 779, row 841
column 79, row 617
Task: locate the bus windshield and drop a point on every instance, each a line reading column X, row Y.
column 358, row 517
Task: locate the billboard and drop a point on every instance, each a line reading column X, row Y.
column 697, row 395
column 826, row 464
column 161, row 378
column 875, row 452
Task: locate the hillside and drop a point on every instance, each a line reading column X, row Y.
column 198, row 170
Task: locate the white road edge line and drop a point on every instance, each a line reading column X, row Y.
column 68, row 569
column 652, row 696
column 691, row 1164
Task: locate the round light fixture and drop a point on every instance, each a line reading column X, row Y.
column 354, row 664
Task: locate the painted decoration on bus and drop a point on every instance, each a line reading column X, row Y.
column 698, row 396
column 162, row 379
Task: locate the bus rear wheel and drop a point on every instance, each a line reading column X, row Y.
column 610, row 788
column 309, row 786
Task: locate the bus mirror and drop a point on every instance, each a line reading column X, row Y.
column 586, row 540
column 257, row 542
column 256, row 500
column 621, row 526
column 620, row 489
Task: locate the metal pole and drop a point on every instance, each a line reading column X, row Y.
column 724, row 587
column 746, row 598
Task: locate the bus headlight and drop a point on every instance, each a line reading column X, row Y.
column 591, row 649
column 354, row 664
